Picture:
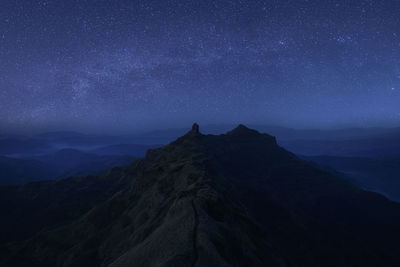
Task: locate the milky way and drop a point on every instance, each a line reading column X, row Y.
column 127, row 65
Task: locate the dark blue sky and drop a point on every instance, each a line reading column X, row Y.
column 118, row 66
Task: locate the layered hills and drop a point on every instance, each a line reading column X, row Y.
column 236, row 199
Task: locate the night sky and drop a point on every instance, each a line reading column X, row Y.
column 120, row 66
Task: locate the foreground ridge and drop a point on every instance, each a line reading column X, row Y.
column 236, row 199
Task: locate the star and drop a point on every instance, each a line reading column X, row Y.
column 263, row 61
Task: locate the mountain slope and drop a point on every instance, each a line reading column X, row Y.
column 61, row 164
column 16, row 146
column 124, row 149
column 383, row 145
column 230, row 200
column 375, row 174
column 30, row 208
column 18, row 171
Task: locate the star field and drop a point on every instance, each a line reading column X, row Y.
column 119, row 66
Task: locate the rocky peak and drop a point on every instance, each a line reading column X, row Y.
column 242, row 130
column 204, row 198
column 195, row 128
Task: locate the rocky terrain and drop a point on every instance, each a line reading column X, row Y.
column 236, row 199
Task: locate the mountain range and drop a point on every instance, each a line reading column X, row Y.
column 236, row 199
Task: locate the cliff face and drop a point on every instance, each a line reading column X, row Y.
column 230, row 200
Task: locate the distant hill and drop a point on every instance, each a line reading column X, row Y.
column 49, row 156
column 376, row 146
column 376, row 174
column 124, row 149
column 60, row 164
column 163, row 136
column 236, row 199
column 18, row 146
column 18, row 171
column 297, row 139
column 30, row 208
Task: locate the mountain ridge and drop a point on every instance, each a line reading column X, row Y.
column 236, row 199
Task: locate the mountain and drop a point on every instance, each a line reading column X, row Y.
column 382, row 145
column 236, row 199
column 313, row 140
column 17, row 171
column 30, row 208
column 27, row 160
column 75, row 140
column 68, row 161
column 287, row 134
column 17, row 146
column 28, row 146
column 60, row 164
column 123, row 149
column 164, row 136
column 376, row 174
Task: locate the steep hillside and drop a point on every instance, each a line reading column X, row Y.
column 229, row 200
column 376, row 174
column 30, row 208
column 61, row 164
column 18, row 171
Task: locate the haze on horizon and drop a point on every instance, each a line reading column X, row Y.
column 114, row 66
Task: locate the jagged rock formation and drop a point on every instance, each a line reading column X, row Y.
column 230, row 200
column 195, row 128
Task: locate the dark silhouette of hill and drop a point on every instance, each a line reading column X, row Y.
column 164, row 136
column 123, row 149
column 18, row 171
column 307, row 140
column 60, row 164
column 75, row 162
column 30, row 208
column 382, row 145
column 57, row 155
column 75, row 139
column 375, row 174
column 51, row 142
column 23, row 146
column 236, row 199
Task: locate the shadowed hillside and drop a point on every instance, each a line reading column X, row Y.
column 236, row 199
column 375, row 174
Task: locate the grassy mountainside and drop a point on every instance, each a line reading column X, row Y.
column 33, row 207
column 230, row 200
